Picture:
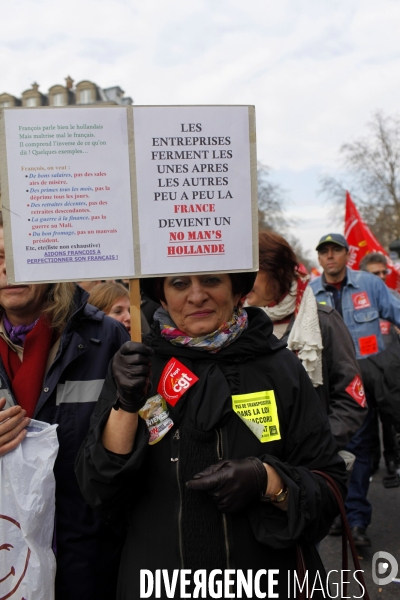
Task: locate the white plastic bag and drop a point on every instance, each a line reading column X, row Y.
column 27, row 508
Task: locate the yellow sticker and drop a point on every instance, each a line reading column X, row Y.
column 259, row 412
column 321, row 302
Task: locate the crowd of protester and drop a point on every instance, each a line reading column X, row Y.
column 159, row 464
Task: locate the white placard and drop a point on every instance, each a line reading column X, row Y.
column 69, row 193
column 194, row 189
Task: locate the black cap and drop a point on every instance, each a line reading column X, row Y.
column 333, row 238
column 243, row 281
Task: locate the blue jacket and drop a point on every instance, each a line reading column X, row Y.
column 87, row 548
column 365, row 299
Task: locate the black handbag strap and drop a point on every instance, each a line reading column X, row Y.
column 346, row 537
column 301, row 573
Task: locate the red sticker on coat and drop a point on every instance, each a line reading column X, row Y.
column 368, row 345
column 385, row 327
column 356, row 390
column 360, row 300
column 175, row 380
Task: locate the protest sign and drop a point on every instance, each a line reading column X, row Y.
column 196, row 188
column 110, row 192
column 66, row 194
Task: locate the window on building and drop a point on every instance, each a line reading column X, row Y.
column 5, row 104
column 58, row 99
column 30, row 102
column 85, row 96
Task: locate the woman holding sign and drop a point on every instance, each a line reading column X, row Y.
column 216, row 474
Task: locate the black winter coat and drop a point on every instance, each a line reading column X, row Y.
column 339, row 368
column 382, row 378
column 170, row 527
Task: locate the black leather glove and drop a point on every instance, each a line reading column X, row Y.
column 232, row 484
column 131, row 370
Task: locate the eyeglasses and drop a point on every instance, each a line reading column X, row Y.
column 383, row 272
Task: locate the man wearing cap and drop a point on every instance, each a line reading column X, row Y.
column 361, row 299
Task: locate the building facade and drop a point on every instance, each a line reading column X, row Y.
column 85, row 92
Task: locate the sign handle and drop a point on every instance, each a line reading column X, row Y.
column 134, row 294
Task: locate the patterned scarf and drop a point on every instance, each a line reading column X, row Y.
column 211, row 342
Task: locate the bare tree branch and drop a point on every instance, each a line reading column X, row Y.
column 372, row 168
column 272, row 202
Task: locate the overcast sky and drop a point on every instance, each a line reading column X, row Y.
column 315, row 70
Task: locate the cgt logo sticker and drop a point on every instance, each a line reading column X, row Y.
column 381, row 575
column 356, row 390
column 384, row 327
column 360, row 300
column 175, row 380
column 14, row 557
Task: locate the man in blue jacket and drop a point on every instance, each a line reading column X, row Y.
column 362, row 299
column 54, row 355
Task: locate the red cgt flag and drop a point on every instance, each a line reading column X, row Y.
column 362, row 242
